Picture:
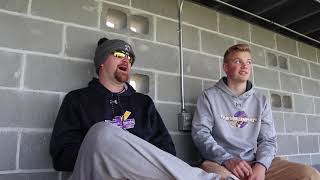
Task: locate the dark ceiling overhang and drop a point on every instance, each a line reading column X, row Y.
column 298, row 19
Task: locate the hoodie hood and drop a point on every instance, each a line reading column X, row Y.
column 222, row 84
column 94, row 83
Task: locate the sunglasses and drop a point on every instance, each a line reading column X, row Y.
column 122, row 54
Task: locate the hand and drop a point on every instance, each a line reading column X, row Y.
column 238, row 167
column 258, row 172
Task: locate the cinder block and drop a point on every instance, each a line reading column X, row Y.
column 208, row 84
column 152, row 83
column 193, row 88
column 278, row 122
column 20, row 6
column 308, row 144
column 311, row 87
column 82, row 43
column 155, row 56
column 266, row 78
column 169, row 114
column 317, row 105
column 315, row 159
column 286, row 44
column 307, row 52
column 290, row 83
column 284, row 98
column 272, row 60
column 30, row 34
column 167, row 32
column 124, row 2
column 10, row 69
column 262, row 36
column 34, row 151
column 315, row 71
column 199, row 16
column 166, row 8
column 168, row 88
column 298, row 66
column 295, row 123
column 313, row 124
column 287, row 144
column 196, row 64
column 215, row 44
column 28, row 109
column 8, row 149
column 234, row 27
column 83, row 12
column 258, row 55
column 303, row 104
column 303, row 159
column 33, row 176
column 60, row 75
column 186, row 150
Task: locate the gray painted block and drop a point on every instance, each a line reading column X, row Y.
column 215, row 44
column 311, row 87
column 60, row 75
column 315, row 71
column 10, row 69
column 83, row 12
column 315, row 159
column 8, row 149
column 20, row 6
column 167, row 32
column 208, row 84
column 29, row 176
column 168, row 88
column 317, row 105
column 30, row 34
column 308, row 144
column 152, row 82
column 28, row 109
column 303, row 159
column 287, row 144
column 290, row 83
column 186, row 150
column 166, row 8
column 193, row 88
column 155, row 56
column 82, row 43
column 258, row 55
column 34, row 151
column 278, row 122
column 307, row 52
column 285, row 100
column 234, row 27
column 303, row 104
column 295, row 123
column 199, row 16
column 169, row 114
column 298, row 66
column 262, row 36
column 200, row 65
column 286, row 44
column 266, row 78
column 313, row 124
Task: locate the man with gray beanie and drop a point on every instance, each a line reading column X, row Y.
column 109, row 131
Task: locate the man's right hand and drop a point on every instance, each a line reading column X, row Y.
column 238, row 167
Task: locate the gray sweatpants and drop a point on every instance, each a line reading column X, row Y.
column 109, row 152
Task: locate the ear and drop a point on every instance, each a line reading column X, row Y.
column 225, row 68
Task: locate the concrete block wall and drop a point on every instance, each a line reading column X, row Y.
column 46, row 50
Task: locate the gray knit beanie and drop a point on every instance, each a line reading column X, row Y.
column 106, row 46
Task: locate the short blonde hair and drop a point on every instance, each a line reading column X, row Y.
column 234, row 49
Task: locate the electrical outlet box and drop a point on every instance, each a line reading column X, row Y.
column 184, row 121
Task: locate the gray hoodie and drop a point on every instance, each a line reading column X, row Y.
column 227, row 126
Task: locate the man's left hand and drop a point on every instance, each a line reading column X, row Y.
column 258, row 172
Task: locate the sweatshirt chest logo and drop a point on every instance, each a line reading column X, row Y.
column 240, row 119
column 123, row 121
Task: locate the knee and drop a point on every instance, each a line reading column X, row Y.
column 309, row 172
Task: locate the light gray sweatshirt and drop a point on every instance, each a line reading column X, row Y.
column 227, row 126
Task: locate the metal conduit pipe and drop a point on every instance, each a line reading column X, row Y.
column 266, row 20
column 184, row 117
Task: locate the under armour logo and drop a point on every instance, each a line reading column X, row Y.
column 127, row 48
